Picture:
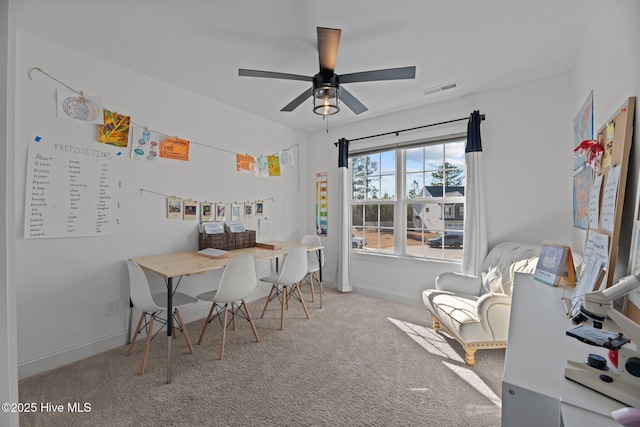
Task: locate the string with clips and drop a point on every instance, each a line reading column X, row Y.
column 141, row 191
column 81, row 93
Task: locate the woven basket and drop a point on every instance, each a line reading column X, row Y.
column 217, row 241
column 244, row 239
column 227, row 241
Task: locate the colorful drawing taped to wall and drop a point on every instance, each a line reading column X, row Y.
column 115, row 130
column 262, row 166
column 581, row 187
column 75, row 107
column 175, row 148
column 274, row 165
column 144, row 144
column 245, row 163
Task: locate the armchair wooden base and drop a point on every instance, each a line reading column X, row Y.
column 469, row 348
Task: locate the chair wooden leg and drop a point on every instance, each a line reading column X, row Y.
column 253, row 326
column 184, row 330
column 224, row 331
column 135, row 336
column 145, row 353
column 302, row 300
column 283, row 299
column 206, row 323
column 268, row 299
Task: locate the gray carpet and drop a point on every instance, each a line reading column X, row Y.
column 358, row 361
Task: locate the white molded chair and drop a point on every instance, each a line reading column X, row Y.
column 239, row 279
column 313, row 262
column 294, row 269
column 152, row 305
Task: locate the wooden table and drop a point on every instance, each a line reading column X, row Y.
column 174, row 265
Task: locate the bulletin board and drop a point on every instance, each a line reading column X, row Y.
column 615, row 137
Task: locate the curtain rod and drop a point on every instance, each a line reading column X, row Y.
column 396, row 132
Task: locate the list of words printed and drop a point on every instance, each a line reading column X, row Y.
column 72, row 190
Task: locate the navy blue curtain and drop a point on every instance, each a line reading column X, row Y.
column 343, row 153
column 474, row 141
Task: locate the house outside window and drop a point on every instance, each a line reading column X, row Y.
column 409, row 201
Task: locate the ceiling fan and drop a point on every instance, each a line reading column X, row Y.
column 326, row 86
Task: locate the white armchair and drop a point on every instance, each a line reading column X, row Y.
column 475, row 310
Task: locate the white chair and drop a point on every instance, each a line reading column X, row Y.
column 284, row 285
column 152, row 305
column 239, row 279
column 313, row 262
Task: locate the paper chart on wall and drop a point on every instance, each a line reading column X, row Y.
column 594, row 202
column 72, row 190
column 609, row 197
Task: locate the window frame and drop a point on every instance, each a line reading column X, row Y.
column 401, row 201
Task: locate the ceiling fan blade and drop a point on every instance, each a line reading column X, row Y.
column 387, row 74
column 273, row 75
column 328, row 42
column 351, row 101
column 299, row 100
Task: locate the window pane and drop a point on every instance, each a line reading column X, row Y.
column 388, row 162
column 373, row 188
column 454, row 153
column 386, row 216
column 371, row 215
column 433, row 157
column 356, row 216
column 388, row 186
column 385, row 240
column 415, row 159
column 415, row 184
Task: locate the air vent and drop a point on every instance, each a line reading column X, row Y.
column 437, row 89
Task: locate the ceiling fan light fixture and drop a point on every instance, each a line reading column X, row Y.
column 325, row 100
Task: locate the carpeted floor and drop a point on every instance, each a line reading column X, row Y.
column 358, row 361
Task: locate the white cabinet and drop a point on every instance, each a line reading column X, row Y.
column 534, row 390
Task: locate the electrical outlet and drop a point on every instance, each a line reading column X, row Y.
column 112, row 307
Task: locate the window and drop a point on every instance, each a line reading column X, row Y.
column 410, row 200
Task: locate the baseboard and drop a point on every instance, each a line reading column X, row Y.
column 46, row 362
column 388, row 295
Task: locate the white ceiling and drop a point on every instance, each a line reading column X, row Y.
column 200, row 44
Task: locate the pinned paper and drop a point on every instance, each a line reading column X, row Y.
column 145, row 144
column 206, row 211
column 174, row 207
column 245, row 163
column 286, row 158
column 75, row 107
column 262, row 166
column 175, row 148
column 115, row 130
column 190, row 209
column 274, row 165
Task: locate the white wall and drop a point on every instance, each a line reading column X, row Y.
column 609, row 64
column 527, row 144
column 8, row 330
column 64, row 284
